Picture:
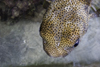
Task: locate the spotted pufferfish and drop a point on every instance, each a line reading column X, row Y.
column 64, row 22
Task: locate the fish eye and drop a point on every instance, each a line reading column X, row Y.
column 76, row 44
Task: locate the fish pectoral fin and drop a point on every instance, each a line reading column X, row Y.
column 93, row 11
column 92, row 15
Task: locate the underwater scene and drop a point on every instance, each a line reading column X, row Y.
column 49, row 33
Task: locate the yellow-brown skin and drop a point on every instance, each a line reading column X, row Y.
column 64, row 22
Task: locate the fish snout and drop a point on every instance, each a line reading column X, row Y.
column 60, row 50
column 54, row 51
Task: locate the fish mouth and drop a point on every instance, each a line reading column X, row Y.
column 68, row 49
column 57, row 52
column 54, row 51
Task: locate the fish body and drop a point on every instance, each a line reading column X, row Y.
column 64, row 22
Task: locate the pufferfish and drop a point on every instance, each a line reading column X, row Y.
column 64, row 22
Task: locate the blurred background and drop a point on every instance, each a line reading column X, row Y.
column 21, row 44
